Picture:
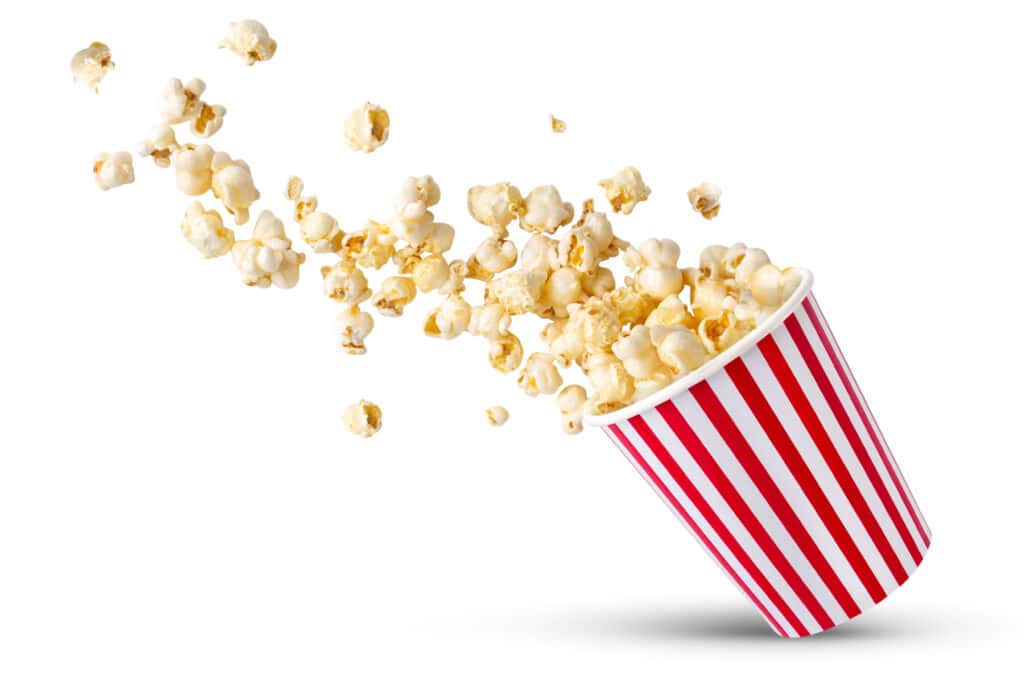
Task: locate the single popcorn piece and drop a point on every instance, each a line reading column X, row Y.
column 613, row 386
column 192, row 168
column 631, row 306
column 545, row 211
column 293, row 191
column 91, row 65
column 705, row 199
column 367, row 128
column 679, row 348
column 658, row 275
column 709, row 297
column 539, row 375
column 718, row 334
column 596, row 226
column 564, row 340
column 209, row 120
column 393, row 295
column 625, row 190
column 363, row 419
column 493, row 256
column 598, row 283
column 671, row 312
column 267, row 258
column 160, row 146
column 557, row 125
column 232, row 183
column 439, row 240
column 597, row 324
column 562, row 287
column 430, row 272
column 181, row 101
column 489, row 320
column 354, row 326
column 321, row 232
column 416, row 196
column 571, row 402
column 206, row 232
column 540, row 253
column 457, row 273
column 497, row 416
column 638, row 354
column 772, row 286
column 518, row 291
column 371, row 246
column 450, row 319
column 505, row 353
column 344, row 282
column 249, row 40
column 113, row 170
column 495, row 206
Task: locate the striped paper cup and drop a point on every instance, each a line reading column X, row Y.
column 771, row 457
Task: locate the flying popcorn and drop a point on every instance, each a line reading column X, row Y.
column 505, row 353
column 571, row 401
column 540, row 375
column 232, row 183
column 495, row 206
column 705, row 199
column 545, row 211
column 658, row 274
column 367, row 128
column 493, row 256
column 159, row 146
column 354, row 326
column 249, row 40
column 192, row 168
column 497, row 416
column 557, row 125
column 181, row 101
column 113, row 170
column 91, row 65
column 393, row 295
column 321, row 232
column 450, row 319
column 363, row 418
column 206, row 232
column 344, row 282
column 267, row 257
column 625, row 190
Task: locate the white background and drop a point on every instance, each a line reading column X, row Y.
column 178, row 499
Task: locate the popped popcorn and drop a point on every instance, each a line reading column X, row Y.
column 363, row 418
column 267, row 257
column 249, row 40
column 679, row 348
column 344, row 282
column 638, row 354
column 181, row 101
column 192, row 168
column 505, row 353
column 658, row 275
column 206, row 232
column 718, row 334
column 91, row 65
column 545, row 211
column 571, row 401
column 539, row 375
column 393, row 295
column 354, row 326
column 367, row 128
column 489, row 320
column 450, row 319
column 562, row 287
column 495, row 206
column 557, row 125
column 540, row 253
column 771, row 286
column 372, row 246
column 430, row 272
column 321, row 232
column 113, row 170
column 497, row 416
column 705, row 199
column 160, row 145
column 493, row 256
column 232, row 183
column 625, row 190
column 613, row 386
column 518, row 291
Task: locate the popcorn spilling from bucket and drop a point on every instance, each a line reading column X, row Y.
column 628, row 337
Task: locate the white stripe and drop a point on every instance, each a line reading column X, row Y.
column 871, row 416
column 859, row 427
column 828, row 420
column 762, row 511
column 662, row 474
column 728, row 517
column 815, row 461
column 628, row 433
column 787, row 484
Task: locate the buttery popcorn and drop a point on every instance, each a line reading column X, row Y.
column 344, row 282
column 705, row 199
column 113, row 170
column 505, row 353
column 430, row 272
column 192, row 168
column 363, row 418
column 518, row 291
column 495, row 206
column 493, row 256
column 321, row 232
column 372, row 246
column 181, row 101
column 267, row 257
column 657, row 275
column 159, row 146
column 545, row 211
column 489, row 320
column 206, row 232
column 571, row 401
column 393, row 295
column 367, row 128
column 91, row 65
column 625, row 190
column 450, row 319
column 353, row 325
column 557, row 125
column 231, row 182
column 497, row 416
column 249, row 40
column 539, row 375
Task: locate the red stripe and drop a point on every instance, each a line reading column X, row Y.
column 882, row 453
column 814, row 365
column 674, row 502
column 678, row 424
column 770, row 350
column 709, row 515
column 730, row 433
column 771, row 425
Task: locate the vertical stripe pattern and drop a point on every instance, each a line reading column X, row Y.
column 777, row 466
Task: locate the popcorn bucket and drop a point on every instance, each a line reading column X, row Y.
column 771, row 457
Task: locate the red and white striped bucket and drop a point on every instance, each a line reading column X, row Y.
column 772, row 458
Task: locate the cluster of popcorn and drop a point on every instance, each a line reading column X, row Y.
column 627, row 338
